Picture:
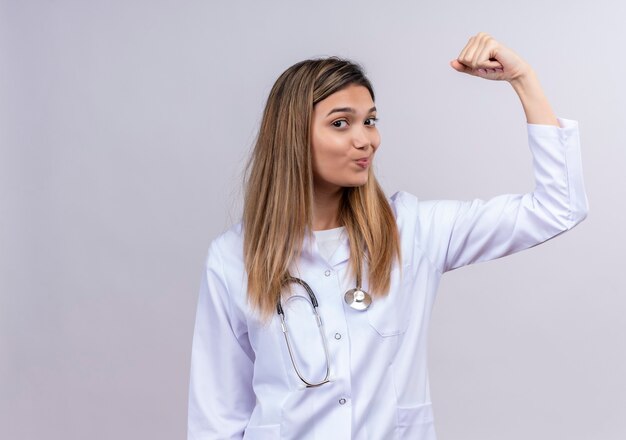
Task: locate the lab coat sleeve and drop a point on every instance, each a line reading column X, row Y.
column 465, row 232
column 220, row 391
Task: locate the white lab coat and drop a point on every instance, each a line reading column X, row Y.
column 243, row 384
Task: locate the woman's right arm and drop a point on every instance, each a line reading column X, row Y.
column 221, row 398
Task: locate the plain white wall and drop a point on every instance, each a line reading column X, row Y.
column 124, row 126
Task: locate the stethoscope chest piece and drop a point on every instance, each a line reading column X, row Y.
column 358, row 299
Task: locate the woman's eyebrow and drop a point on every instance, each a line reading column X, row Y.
column 348, row 110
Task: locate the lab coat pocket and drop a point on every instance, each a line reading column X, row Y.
column 264, row 432
column 415, row 422
column 390, row 315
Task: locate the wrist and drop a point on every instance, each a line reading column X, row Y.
column 525, row 81
column 536, row 105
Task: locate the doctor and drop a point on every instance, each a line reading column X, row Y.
column 313, row 312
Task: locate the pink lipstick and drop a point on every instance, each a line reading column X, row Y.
column 363, row 163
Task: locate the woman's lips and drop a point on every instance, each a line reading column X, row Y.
column 363, row 163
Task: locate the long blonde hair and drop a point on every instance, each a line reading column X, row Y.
column 278, row 197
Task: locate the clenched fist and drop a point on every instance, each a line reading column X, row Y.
column 484, row 57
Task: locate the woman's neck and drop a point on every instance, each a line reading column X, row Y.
column 326, row 203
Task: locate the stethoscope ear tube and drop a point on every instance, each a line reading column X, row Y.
column 320, row 326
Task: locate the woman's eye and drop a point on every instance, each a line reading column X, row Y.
column 371, row 121
column 340, row 124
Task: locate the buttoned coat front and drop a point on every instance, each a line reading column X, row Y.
column 243, row 384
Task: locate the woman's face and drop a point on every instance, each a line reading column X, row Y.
column 344, row 138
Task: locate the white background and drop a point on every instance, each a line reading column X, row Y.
column 124, row 127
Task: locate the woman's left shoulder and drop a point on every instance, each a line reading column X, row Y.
column 405, row 207
column 403, row 202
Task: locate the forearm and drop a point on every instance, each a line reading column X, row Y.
column 535, row 103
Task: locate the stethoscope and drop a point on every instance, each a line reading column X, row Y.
column 356, row 298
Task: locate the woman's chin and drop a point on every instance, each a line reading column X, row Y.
column 356, row 183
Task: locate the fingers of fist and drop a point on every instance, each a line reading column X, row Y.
column 480, row 54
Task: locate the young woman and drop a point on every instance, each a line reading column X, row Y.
column 313, row 313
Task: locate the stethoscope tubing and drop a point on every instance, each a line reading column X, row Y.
column 320, row 326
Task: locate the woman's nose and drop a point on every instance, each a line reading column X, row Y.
column 361, row 140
